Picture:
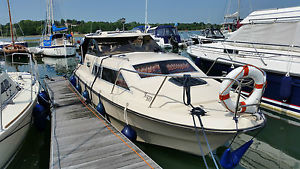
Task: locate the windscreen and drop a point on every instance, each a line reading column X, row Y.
column 164, row 67
column 119, row 45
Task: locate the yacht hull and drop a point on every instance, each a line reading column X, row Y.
column 59, row 51
column 12, row 137
column 158, row 132
column 271, row 98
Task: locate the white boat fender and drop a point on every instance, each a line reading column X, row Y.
column 247, row 71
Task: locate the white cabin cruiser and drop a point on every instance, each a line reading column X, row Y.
column 18, row 97
column 166, row 36
column 268, row 39
column 142, row 87
column 207, row 36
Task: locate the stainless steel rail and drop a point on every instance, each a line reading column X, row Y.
column 174, row 75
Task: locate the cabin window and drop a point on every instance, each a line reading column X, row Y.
column 164, row 67
column 5, row 85
column 110, row 75
column 231, row 51
column 160, row 32
column 95, row 69
column 93, row 48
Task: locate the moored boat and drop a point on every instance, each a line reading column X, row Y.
column 126, row 74
column 268, row 40
column 18, row 97
column 13, row 47
column 55, row 42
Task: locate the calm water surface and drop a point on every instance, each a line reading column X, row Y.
column 277, row 146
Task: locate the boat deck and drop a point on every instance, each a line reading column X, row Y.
column 81, row 138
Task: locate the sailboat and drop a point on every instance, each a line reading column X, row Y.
column 18, row 97
column 55, row 42
column 232, row 22
column 13, row 47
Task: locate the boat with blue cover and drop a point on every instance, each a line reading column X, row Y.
column 55, row 42
column 165, row 35
column 268, row 39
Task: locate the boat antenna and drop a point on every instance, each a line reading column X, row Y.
column 146, row 15
column 238, row 15
column 11, row 29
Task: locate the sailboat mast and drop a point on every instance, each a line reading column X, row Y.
column 11, row 28
column 52, row 18
column 146, row 15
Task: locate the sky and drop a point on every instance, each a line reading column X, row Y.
column 159, row 11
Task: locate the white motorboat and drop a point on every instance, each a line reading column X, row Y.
column 142, row 87
column 207, row 36
column 55, row 42
column 18, row 97
column 269, row 40
column 166, row 36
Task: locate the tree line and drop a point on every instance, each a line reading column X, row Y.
column 29, row 27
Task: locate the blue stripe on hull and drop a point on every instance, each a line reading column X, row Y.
column 273, row 79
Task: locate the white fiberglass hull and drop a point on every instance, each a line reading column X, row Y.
column 162, row 133
column 167, row 135
column 16, row 113
column 12, row 137
column 59, row 51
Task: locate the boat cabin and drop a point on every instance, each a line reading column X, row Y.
column 166, row 32
column 110, row 43
column 8, row 88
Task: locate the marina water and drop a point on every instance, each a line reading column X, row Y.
column 276, row 146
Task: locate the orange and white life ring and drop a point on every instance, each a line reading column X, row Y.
column 247, row 71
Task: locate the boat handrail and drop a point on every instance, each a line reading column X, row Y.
column 254, row 43
column 249, row 51
column 31, row 84
column 31, row 70
column 181, row 75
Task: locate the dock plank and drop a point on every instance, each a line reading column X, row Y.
column 79, row 139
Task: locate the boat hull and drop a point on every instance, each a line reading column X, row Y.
column 12, row 137
column 157, row 132
column 271, row 99
column 59, row 51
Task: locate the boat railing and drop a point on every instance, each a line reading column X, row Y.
column 238, row 89
column 250, row 52
column 219, row 58
column 31, row 69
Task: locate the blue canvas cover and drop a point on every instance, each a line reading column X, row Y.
column 166, row 31
column 55, row 29
column 141, row 28
column 47, row 42
column 68, row 35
